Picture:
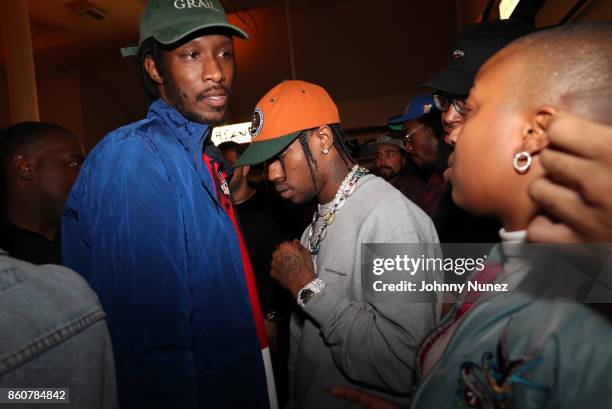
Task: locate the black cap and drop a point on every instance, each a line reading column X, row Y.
column 475, row 45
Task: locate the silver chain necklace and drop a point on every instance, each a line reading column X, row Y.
column 346, row 189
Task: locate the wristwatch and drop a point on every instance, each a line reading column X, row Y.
column 310, row 290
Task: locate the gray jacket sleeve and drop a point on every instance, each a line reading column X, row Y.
column 374, row 340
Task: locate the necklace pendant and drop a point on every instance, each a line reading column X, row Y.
column 223, row 184
column 330, row 219
column 225, row 188
column 315, row 250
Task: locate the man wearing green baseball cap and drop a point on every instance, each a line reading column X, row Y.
column 151, row 226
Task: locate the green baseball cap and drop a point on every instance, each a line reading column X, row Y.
column 168, row 21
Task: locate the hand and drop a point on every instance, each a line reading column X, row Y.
column 576, row 194
column 364, row 399
column 292, row 266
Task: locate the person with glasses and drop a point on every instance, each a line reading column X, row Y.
column 421, row 128
column 422, row 139
column 474, row 46
column 451, row 87
column 453, row 108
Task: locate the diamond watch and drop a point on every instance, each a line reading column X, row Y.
column 309, row 290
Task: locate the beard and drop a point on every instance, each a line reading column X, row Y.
column 305, row 197
column 178, row 99
column 388, row 173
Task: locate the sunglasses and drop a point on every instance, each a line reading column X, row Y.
column 444, row 101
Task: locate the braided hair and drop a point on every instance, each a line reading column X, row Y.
column 337, row 135
column 340, row 146
column 310, row 160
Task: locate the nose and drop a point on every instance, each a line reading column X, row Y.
column 213, row 71
column 452, row 121
column 275, row 171
column 452, row 137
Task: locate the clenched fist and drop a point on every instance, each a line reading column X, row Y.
column 292, row 266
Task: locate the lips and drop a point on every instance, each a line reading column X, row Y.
column 216, row 100
column 451, row 160
column 215, row 97
column 448, row 172
column 286, row 194
column 284, row 191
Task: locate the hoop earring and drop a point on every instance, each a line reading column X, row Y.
column 520, row 157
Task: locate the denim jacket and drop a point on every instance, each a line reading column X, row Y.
column 53, row 334
column 517, row 350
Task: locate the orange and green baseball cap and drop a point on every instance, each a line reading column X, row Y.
column 282, row 114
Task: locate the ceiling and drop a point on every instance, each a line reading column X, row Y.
column 54, row 25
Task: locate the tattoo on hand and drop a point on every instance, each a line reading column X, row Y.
column 289, row 265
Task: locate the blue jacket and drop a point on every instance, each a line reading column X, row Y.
column 143, row 225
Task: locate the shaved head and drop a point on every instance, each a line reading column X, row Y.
column 568, row 67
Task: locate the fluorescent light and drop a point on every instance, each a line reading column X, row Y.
column 238, row 133
column 506, row 7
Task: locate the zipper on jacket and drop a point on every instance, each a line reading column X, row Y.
column 199, row 150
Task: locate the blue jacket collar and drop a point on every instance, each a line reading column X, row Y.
column 188, row 133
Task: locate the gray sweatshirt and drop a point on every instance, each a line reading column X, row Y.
column 346, row 336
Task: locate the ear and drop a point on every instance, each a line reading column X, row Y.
column 408, row 145
column 23, row 167
column 324, row 138
column 151, row 68
column 535, row 135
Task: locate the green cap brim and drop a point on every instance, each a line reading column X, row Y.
column 173, row 35
column 258, row 152
column 128, row 51
column 396, row 127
